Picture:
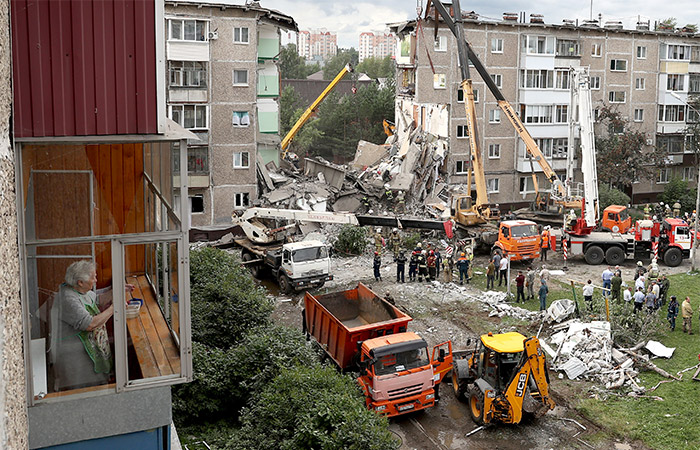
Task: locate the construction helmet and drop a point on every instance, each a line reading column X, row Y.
column 376, row 253
column 462, row 254
column 419, row 245
column 639, row 263
column 395, row 230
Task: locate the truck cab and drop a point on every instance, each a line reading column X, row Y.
column 616, row 218
column 399, row 376
column 519, row 238
column 300, row 265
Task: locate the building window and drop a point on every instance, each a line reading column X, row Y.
column 461, row 167
column 189, row 116
column 240, row 35
column 664, row 176
column 439, row 81
column 672, row 113
column 638, row 115
column 495, row 116
column 188, row 30
column 688, row 174
column 641, row 52
column 241, row 119
column 462, row 131
column 694, row 84
column 441, row 44
column 241, row 200
column 675, row 82
column 562, row 79
column 536, row 113
column 539, row 45
column 460, row 95
column 492, row 185
column 595, row 83
column 596, row 50
column 240, row 78
column 537, row 79
column 596, row 114
column 567, row 47
column 617, row 96
column 618, row 65
column 188, row 74
column 553, row 148
column 494, row 151
column 197, row 161
column 671, row 144
column 241, row 160
column 678, row 52
column 640, row 84
column 561, row 114
column 527, row 186
column 197, row 204
column 496, row 45
column 498, row 79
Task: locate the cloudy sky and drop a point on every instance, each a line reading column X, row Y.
column 349, row 18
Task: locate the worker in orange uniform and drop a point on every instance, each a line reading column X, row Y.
column 544, row 247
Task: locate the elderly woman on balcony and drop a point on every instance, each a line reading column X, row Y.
column 80, row 350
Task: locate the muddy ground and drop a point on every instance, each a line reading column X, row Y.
column 443, row 311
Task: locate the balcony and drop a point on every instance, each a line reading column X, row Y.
column 197, row 167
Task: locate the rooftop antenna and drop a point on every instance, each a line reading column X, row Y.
column 591, row 10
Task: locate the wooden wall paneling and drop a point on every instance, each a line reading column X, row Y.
column 117, row 187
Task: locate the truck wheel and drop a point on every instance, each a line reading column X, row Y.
column 255, row 269
column 673, row 257
column 460, row 387
column 594, row 255
column 285, row 285
column 476, row 405
column 614, row 256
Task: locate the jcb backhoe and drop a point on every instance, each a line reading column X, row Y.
column 505, row 376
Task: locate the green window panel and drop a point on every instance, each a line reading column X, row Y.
column 269, row 154
column 268, row 85
column 269, row 122
column 268, row 48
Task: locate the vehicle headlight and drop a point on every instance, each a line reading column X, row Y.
column 380, row 408
column 430, row 396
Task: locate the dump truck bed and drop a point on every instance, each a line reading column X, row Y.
column 340, row 320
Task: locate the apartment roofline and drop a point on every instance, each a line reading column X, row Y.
column 283, row 20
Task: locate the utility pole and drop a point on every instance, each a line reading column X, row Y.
column 695, row 234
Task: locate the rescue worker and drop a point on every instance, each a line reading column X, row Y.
column 395, row 241
column 687, row 313
column 653, row 270
column 647, row 212
column 571, row 220
column 447, row 266
column 431, row 263
column 520, row 287
column 422, row 266
column 470, row 258
column 664, row 284
column 544, row 290
column 377, row 264
column 616, row 285
column 672, row 312
column 413, row 266
column 438, row 262
column 400, row 267
column 419, row 247
column 490, row 274
column 401, row 202
column 640, row 270
column 544, row 244
column 676, row 209
column 463, row 267
column 378, row 241
column 530, row 283
column 544, row 274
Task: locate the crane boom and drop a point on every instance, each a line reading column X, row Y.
column 312, row 108
column 581, row 105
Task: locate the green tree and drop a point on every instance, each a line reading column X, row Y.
column 334, row 65
column 692, row 131
column 311, row 407
column 668, row 24
column 608, row 196
column 621, row 157
column 290, row 102
column 690, row 28
column 679, row 191
column 293, row 66
column 377, row 67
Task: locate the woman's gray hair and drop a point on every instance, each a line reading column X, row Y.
column 79, row 271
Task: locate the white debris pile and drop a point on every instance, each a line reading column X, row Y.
column 496, row 302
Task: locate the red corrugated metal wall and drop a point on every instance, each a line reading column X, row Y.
column 84, row 67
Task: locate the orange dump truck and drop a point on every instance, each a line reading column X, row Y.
column 364, row 333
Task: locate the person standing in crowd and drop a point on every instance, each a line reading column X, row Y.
column 687, row 313
column 664, row 283
column 544, row 274
column 463, row 267
column 544, row 244
column 395, row 241
column 490, row 274
column 627, row 294
column 639, row 271
column 376, row 265
column 588, row 294
column 530, row 283
column 497, row 260
column 607, row 281
column 616, row 286
column 378, row 241
column 432, row 263
column 520, row 287
column 640, row 282
column 503, row 271
column 413, row 266
column 422, row 267
column 639, row 299
column 650, row 300
column 672, row 312
column 400, row 267
column 543, row 294
column 438, row 262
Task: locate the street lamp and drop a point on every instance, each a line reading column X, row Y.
column 697, row 200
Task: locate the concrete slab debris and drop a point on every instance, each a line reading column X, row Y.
column 334, row 176
column 560, row 309
column 659, row 349
column 368, row 154
column 574, row 368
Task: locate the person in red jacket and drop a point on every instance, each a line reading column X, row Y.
column 520, row 285
column 432, row 265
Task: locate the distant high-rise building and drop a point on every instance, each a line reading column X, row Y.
column 319, row 45
column 376, row 45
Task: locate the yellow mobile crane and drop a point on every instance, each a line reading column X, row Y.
column 312, row 109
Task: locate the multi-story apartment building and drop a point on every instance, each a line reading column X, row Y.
column 223, row 84
column 378, row 45
column 645, row 75
column 317, row 45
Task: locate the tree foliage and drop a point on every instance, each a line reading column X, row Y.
column 311, row 407
column 621, row 157
column 334, row 65
column 609, row 196
column 679, row 191
column 225, row 301
column 668, row 24
column 351, row 240
column 293, row 66
column 377, row 67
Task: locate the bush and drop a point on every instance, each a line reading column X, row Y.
column 410, row 240
column 226, row 303
column 627, row 328
column 351, row 241
column 311, row 407
column 609, row 196
column 679, row 191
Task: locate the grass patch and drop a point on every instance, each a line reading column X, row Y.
column 674, row 422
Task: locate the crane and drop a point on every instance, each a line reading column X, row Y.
column 312, row 109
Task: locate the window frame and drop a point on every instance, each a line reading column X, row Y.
column 247, row 78
column 462, row 132
column 495, row 115
column 196, row 107
column 614, row 65
column 241, row 200
column 640, row 84
column 199, row 196
column 239, row 155
column 497, row 79
column 643, row 53
column 465, row 167
column 494, row 151
column 596, row 50
column 489, row 185
column 240, row 114
column 612, row 96
column 440, row 44
column 665, row 179
column 439, row 81
column 182, row 22
column 641, row 115
column 499, row 45
column 523, row 183
column 595, row 87
column 240, row 35
column 675, row 86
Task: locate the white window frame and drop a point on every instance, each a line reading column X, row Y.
column 475, row 92
column 559, row 111
column 562, row 79
column 498, row 79
column 204, row 23
column 440, row 44
column 641, row 52
column 462, row 132
column 241, row 115
column 238, row 160
column 439, row 81
column 536, row 43
column 612, row 96
column 191, row 204
column 239, row 30
column 679, row 85
column 181, row 110
column 688, row 174
column 492, row 185
column 241, row 200
column 497, row 43
column 542, row 114
column 462, row 167
column 494, row 116
column 596, row 50
column 639, row 114
column 678, row 54
column 664, row 176
column 616, row 63
column 247, row 78
column 494, row 151
column 528, row 183
column 640, row 83
column 595, row 86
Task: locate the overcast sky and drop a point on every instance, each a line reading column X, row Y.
column 349, row 18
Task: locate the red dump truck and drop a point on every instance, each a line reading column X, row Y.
column 364, row 333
